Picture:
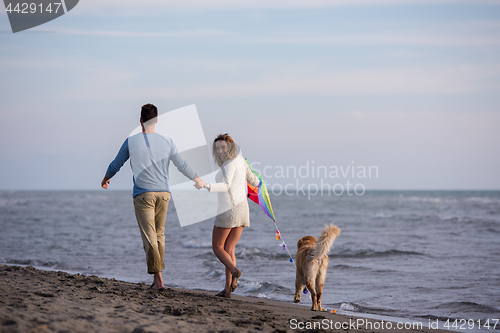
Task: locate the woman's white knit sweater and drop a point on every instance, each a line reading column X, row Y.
column 232, row 193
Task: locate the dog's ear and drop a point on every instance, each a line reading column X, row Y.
column 302, row 241
column 306, row 240
column 299, row 243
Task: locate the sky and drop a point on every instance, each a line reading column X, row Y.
column 409, row 88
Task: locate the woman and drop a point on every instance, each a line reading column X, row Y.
column 232, row 212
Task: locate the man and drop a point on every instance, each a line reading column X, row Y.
column 150, row 154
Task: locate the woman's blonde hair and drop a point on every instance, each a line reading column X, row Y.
column 232, row 150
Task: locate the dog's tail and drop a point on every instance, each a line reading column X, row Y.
column 325, row 240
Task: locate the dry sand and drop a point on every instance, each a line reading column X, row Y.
column 33, row 300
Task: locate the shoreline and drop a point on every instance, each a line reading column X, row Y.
column 365, row 315
column 53, row 301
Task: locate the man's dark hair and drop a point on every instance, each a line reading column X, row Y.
column 148, row 112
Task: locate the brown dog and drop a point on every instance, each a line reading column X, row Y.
column 312, row 263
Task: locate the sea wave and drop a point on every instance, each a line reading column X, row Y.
column 263, row 288
column 382, row 216
column 428, row 199
column 354, row 307
column 439, row 200
column 196, row 245
column 483, row 200
column 38, row 263
column 48, row 265
column 218, row 275
column 454, row 218
column 374, row 254
column 469, row 307
column 349, row 307
column 249, row 253
column 347, row 267
column 413, row 217
column 9, row 203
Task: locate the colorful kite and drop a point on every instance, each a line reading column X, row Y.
column 260, row 196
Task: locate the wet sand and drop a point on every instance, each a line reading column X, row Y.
column 33, row 300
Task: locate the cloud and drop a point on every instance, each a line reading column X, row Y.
column 375, row 39
column 369, row 39
column 111, row 83
column 19, row 63
column 174, row 34
column 128, row 6
column 133, row 7
column 392, row 81
column 471, row 33
column 81, row 77
column 436, row 34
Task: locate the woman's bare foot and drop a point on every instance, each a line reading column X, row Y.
column 234, row 279
column 224, row 293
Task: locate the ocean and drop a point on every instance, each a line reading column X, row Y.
column 421, row 255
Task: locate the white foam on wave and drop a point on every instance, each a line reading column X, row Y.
column 8, row 203
column 250, row 253
column 482, row 200
column 249, row 287
column 430, row 199
column 197, row 245
column 444, row 217
column 382, row 216
column 348, row 307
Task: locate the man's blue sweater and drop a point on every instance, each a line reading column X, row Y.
column 150, row 155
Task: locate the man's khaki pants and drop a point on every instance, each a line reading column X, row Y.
column 151, row 212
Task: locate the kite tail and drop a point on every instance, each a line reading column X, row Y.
column 285, row 247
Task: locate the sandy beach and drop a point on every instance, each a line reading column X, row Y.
column 34, row 300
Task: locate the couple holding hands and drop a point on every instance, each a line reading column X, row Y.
column 150, row 154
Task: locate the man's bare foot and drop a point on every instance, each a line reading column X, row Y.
column 157, row 282
column 154, row 286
